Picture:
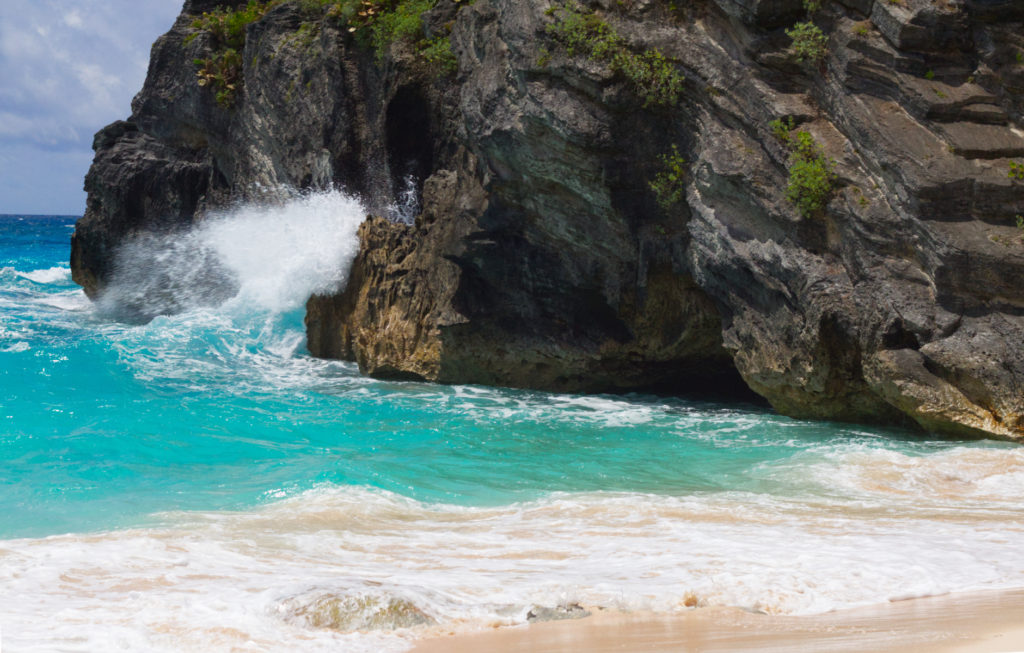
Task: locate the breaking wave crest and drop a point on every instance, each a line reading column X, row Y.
column 253, row 257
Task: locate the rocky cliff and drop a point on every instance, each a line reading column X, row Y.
column 817, row 203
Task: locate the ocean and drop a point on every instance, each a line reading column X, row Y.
column 200, row 483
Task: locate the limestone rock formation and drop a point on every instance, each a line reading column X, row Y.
column 542, row 256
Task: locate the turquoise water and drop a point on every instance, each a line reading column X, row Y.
column 215, row 428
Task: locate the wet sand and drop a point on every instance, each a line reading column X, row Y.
column 990, row 622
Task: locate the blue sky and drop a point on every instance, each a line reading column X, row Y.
column 67, row 68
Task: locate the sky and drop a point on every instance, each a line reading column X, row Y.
column 67, row 68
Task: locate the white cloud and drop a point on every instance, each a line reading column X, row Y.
column 67, row 68
column 73, row 19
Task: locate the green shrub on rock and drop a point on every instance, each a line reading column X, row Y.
column 223, row 73
column 812, row 175
column 222, row 70
column 1016, row 171
column 809, row 42
column 651, row 74
column 668, row 183
column 810, row 185
column 381, row 23
column 375, row 23
column 438, row 52
column 402, row 21
column 782, row 129
column 228, row 26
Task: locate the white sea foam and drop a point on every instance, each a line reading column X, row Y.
column 251, row 258
column 957, row 478
column 283, row 254
column 235, row 281
column 72, row 300
column 304, row 572
column 48, row 275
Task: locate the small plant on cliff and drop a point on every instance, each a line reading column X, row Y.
column 401, row 21
column 543, row 58
column 381, row 23
column 651, row 74
column 812, row 6
column 782, row 129
column 438, row 52
column 668, row 183
column 812, row 175
column 228, row 26
column 1016, row 171
column 374, row 23
column 315, row 8
column 222, row 70
column 809, row 42
column 223, row 73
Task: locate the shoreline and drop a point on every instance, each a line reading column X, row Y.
column 967, row 622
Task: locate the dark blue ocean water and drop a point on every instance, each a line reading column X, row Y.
column 211, row 443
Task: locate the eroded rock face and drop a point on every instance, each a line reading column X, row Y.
column 541, row 258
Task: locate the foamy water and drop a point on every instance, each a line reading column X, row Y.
column 199, row 483
column 253, row 258
column 302, row 571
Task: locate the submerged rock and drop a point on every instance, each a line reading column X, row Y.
column 544, row 255
column 557, row 613
column 350, row 613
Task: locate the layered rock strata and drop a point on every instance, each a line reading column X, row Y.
column 542, row 258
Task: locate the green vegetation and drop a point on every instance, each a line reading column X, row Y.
column 305, row 36
column 781, row 129
column 381, row 23
column 315, row 8
column 861, row 199
column 374, row 23
column 222, row 70
column 812, row 6
column 862, row 28
column 668, row 183
column 812, row 175
column 653, row 76
column 438, row 53
column 1016, row 171
column 223, row 73
column 1020, row 222
column 401, row 21
column 929, row 75
column 809, row 42
column 228, row 26
column 543, row 58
